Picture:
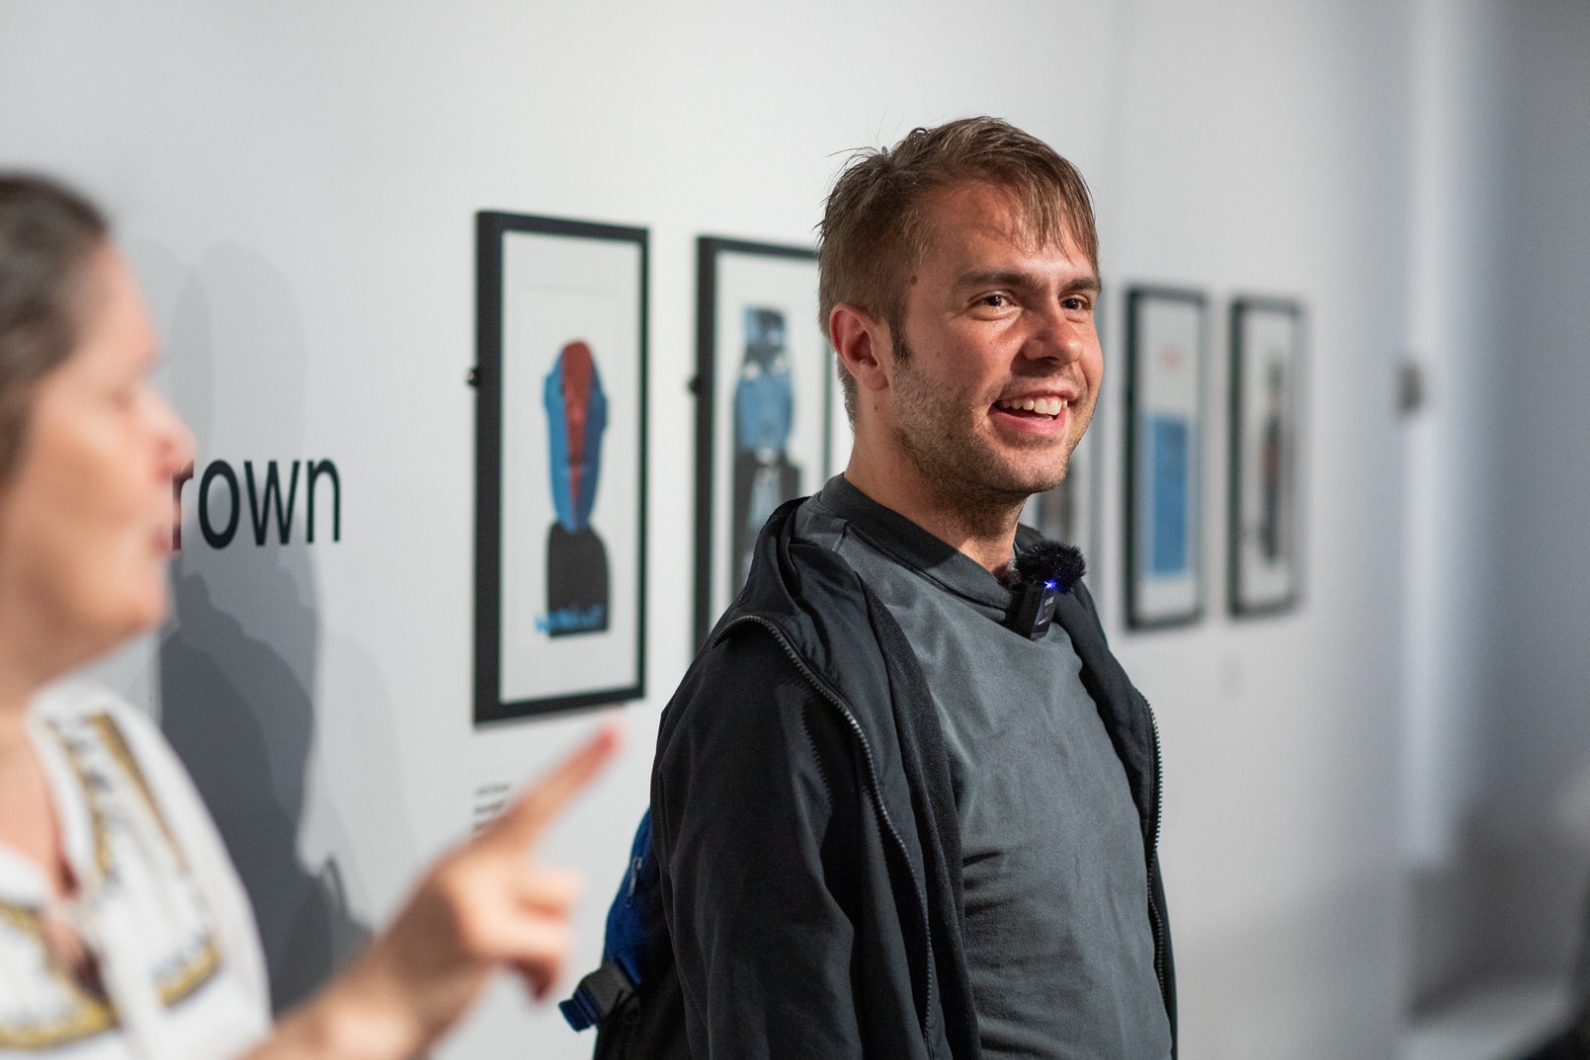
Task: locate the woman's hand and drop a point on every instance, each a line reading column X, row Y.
column 482, row 906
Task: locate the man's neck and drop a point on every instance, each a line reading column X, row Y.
column 987, row 535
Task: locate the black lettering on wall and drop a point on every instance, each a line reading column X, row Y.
column 261, row 502
column 182, row 478
column 259, row 508
column 219, row 469
column 315, row 470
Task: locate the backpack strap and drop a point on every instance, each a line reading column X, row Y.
column 598, row 995
column 635, row 943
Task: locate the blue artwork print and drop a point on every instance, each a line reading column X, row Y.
column 1168, row 498
column 577, row 572
column 764, row 414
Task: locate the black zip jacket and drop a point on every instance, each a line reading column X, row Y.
column 806, row 829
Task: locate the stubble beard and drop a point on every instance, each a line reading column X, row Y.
column 961, row 471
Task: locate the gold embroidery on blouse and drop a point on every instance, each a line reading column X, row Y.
column 89, row 1015
column 185, row 982
column 93, row 790
column 116, row 743
column 182, row 983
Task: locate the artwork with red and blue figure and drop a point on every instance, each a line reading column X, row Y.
column 764, row 414
column 560, row 465
column 577, row 573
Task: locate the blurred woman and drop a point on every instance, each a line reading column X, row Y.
column 124, row 931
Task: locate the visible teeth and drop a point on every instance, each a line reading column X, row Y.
column 1042, row 406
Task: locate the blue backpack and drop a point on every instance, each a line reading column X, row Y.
column 634, row 1000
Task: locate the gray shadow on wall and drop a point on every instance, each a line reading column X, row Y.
column 240, row 657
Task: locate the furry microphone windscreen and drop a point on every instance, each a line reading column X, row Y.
column 1051, row 561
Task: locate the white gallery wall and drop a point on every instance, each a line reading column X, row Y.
column 1497, row 777
column 1264, row 150
column 296, row 183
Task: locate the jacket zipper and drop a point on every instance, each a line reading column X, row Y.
column 874, row 788
column 1153, row 852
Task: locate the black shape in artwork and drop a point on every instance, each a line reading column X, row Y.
column 577, row 570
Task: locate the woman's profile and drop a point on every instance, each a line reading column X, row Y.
column 123, row 929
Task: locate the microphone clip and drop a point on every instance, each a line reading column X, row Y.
column 1032, row 612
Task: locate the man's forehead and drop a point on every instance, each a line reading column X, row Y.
column 963, row 218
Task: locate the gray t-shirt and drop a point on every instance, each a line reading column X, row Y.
column 1058, row 940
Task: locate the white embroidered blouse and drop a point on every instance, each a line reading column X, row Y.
column 159, row 906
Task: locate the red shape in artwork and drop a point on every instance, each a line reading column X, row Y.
column 578, row 372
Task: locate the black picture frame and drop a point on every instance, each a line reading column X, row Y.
column 537, row 274
column 774, row 288
column 1265, row 558
column 1165, row 587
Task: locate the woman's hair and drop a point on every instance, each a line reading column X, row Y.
column 48, row 232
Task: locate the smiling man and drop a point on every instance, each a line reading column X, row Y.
column 898, row 811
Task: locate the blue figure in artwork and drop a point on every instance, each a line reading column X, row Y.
column 1169, row 469
column 577, row 589
column 764, row 413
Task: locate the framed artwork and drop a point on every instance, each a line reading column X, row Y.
column 560, row 465
column 1264, row 567
column 1165, row 340
column 767, row 426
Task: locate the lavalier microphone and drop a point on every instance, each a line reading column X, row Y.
column 1048, row 570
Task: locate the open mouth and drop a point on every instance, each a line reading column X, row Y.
column 1033, row 408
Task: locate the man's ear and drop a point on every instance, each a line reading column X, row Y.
column 863, row 345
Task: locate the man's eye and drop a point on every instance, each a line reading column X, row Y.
column 997, row 301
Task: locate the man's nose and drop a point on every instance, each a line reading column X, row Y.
column 1055, row 336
